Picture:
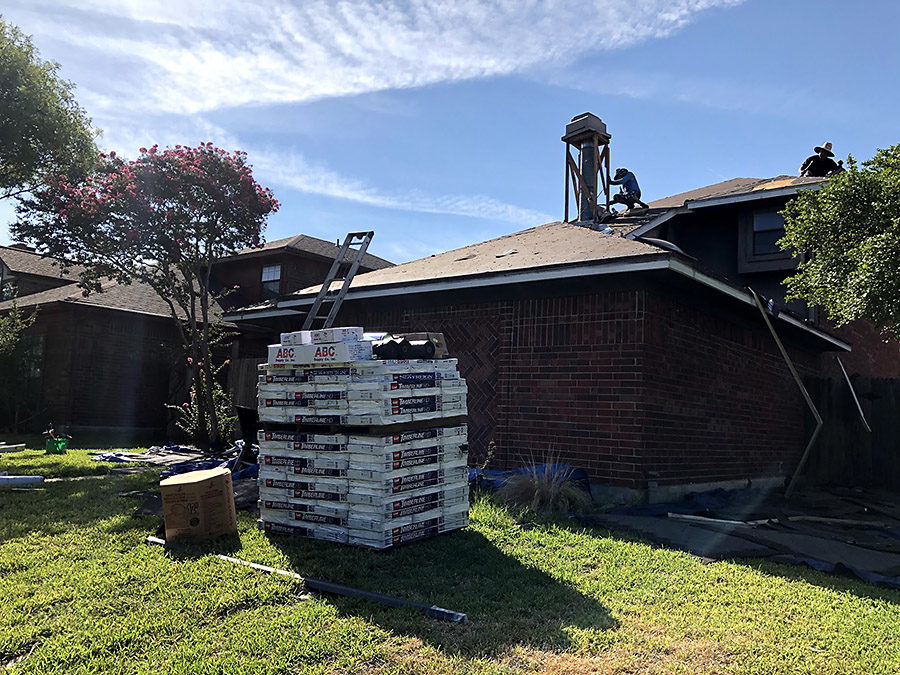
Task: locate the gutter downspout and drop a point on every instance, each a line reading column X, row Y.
column 809, row 401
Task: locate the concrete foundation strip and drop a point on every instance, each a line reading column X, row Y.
column 328, row 587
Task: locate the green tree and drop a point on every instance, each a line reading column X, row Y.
column 12, row 324
column 162, row 220
column 42, row 128
column 849, row 233
column 17, row 361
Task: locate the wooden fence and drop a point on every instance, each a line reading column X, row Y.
column 845, row 453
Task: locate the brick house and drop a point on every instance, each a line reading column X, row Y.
column 109, row 362
column 100, row 363
column 281, row 267
column 638, row 355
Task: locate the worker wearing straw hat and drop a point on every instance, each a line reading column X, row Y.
column 820, row 164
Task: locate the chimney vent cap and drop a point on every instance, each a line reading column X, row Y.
column 583, row 127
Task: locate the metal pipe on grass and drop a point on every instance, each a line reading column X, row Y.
column 328, row 587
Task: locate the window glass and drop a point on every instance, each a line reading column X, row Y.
column 768, row 228
column 7, row 290
column 271, row 273
column 32, row 354
column 270, row 289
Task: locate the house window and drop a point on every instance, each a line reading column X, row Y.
column 32, row 355
column 768, row 228
column 7, row 290
column 271, row 281
column 758, row 250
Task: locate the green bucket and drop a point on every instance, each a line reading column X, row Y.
column 56, row 446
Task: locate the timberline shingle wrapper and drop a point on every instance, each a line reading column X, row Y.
column 352, row 487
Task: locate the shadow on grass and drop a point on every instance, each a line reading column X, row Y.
column 838, row 582
column 54, row 508
column 506, row 602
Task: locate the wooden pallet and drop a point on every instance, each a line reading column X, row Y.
column 11, row 448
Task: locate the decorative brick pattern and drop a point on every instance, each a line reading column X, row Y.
column 633, row 382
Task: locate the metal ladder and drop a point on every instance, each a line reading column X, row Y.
column 341, row 270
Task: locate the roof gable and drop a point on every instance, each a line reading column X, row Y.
column 19, row 261
column 305, row 244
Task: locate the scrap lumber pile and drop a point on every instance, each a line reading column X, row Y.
column 360, row 450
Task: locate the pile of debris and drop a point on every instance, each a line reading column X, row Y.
column 359, row 450
column 838, row 530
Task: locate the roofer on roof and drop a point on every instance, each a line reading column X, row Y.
column 820, row 164
column 630, row 192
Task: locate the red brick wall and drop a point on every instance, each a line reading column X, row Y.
column 873, row 355
column 632, row 383
column 719, row 401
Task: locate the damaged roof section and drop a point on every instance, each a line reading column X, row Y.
column 736, row 187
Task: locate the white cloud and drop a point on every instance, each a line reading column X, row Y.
column 294, row 171
column 188, row 57
column 291, row 169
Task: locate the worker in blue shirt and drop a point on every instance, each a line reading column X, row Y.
column 629, row 192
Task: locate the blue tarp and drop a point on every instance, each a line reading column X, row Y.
column 494, row 480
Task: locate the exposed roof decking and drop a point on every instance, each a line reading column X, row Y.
column 735, row 187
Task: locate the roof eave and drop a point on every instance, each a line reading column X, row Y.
column 759, row 195
column 661, row 261
column 634, row 263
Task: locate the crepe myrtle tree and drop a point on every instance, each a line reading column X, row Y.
column 161, row 219
column 849, row 233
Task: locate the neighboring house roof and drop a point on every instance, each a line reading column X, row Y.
column 137, row 298
column 303, row 243
column 20, row 261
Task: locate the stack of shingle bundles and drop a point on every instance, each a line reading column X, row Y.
column 370, row 452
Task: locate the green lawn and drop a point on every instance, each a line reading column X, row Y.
column 80, row 592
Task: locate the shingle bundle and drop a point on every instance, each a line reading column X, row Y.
column 358, row 450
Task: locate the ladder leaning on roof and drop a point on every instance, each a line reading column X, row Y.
column 343, row 270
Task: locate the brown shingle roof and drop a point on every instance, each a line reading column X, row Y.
column 734, row 187
column 135, row 297
column 305, row 244
column 550, row 245
column 20, row 261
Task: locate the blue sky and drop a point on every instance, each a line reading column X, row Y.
column 439, row 124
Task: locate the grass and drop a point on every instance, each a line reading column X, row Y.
column 80, row 592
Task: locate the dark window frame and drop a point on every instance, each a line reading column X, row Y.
column 270, row 288
column 748, row 228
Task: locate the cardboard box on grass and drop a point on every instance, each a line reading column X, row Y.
column 198, row 505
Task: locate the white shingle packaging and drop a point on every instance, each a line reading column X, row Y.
column 339, row 352
column 324, row 336
column 392, row 467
